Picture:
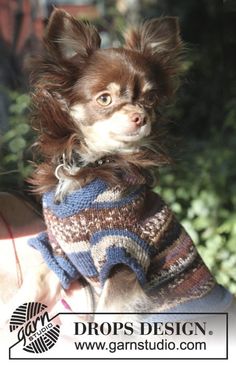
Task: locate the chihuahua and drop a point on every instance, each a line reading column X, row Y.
column 96, row 112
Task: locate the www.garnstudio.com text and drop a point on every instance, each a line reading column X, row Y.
column 163, row 345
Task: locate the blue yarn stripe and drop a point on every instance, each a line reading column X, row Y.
column 128, row 199
column 84, row 198
column 76, row 201
column 98, row 236
column 118, row 255
column 84, row 263
column 67, row 272
column 66, row 265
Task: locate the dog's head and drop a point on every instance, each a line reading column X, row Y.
column 96, row 101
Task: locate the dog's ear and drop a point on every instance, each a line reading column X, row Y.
column 156, row 38
column 159, row 41
column 68, row 37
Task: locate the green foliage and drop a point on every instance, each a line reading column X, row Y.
column 202, row 194
column 15, row 143
column 201, row 190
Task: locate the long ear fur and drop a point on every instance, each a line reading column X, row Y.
column 70, row 37
column 67, row 45
column 159, row 40
column 156, row 36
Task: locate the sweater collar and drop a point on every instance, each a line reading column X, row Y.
column 97, row 195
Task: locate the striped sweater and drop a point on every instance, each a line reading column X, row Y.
column 97, row 227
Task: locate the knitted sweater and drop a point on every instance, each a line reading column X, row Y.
column 97, row 227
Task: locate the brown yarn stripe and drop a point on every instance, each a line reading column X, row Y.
column 175, row 271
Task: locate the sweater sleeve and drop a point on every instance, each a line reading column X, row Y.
column 55, row 259
column 119, row 246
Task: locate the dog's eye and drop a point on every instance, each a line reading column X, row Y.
column 151, row 97
column 104, row 99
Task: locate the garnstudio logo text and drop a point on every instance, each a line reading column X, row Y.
column 34, row 329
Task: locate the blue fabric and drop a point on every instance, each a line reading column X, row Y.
column 217, row 300
column 84, row 198
column 62, row 267
column 76, row 201
column 121, row 202
column 116, row 255
column 122, row 233
column 84, row 263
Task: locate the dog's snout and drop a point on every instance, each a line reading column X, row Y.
column 137, row 118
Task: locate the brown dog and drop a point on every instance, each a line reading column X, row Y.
column 96, row 112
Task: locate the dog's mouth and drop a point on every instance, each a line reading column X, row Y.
column 133, row 136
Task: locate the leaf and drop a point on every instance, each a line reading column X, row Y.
column 223, row 278
column 17, row 144
column 231, row 244
column 10, row 158
column 215, row 242
column 201, row 222
column 9, row 135
column 176, row 207
column 22, row 128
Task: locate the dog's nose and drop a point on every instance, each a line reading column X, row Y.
column 137, row 118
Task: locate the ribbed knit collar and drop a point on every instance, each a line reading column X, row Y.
column 85, row 198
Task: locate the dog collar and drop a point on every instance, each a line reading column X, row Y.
column 99, row 162
column 76, row 163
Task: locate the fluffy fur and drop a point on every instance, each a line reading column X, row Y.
column 68, row 79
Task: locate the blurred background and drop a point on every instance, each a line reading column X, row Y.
column 201, row 186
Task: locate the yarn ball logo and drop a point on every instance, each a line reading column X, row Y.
column 36, row 331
